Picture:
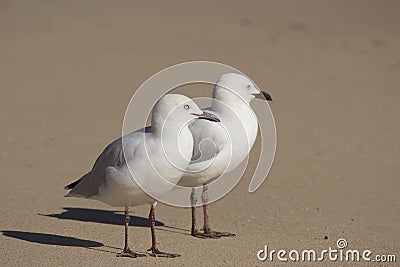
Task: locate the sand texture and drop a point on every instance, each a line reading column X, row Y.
column 69, row 68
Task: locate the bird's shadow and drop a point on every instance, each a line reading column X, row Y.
column 50, row 239
column 100, row 216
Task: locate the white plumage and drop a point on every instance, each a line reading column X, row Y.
column 221, row 147
column 155, row 156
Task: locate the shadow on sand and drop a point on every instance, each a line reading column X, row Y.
column 50, row 239
column 110, row 217
column 100, row 216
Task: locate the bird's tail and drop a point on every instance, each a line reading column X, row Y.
column 73, row 184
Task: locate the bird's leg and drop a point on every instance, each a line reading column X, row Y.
column 193, row 201
column 204, row 199
column 127, row 252
column 207, row 229
column 154, row 250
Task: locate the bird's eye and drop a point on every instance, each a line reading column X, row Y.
column 186, row 106
column 248, row 87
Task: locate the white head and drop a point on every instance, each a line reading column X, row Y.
column 170, row 119
column 233, row 85
column 179, row 110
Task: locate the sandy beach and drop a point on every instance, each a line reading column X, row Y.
column 69, row 68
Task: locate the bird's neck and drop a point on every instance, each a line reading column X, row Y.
column 225, row 99
column 177, row 143
column 231, row 106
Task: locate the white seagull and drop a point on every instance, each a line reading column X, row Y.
column 231, row 140
column 110, row 181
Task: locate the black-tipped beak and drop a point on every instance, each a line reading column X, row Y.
column 207, row 116
column 263, row 95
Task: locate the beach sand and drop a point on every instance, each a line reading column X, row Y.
column 69, row 68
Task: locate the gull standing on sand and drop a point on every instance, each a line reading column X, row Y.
column 231, row 140
column 110, row 181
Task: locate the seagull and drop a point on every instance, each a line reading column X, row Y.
column 231, row 140
column 146, row 159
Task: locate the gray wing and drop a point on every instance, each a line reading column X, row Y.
column 113, row 155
